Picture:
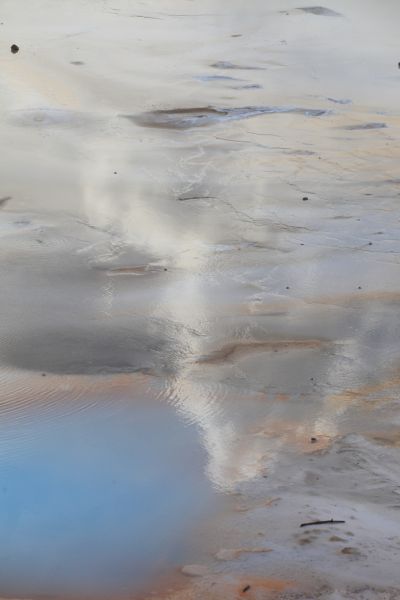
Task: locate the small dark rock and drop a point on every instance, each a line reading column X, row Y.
column 165, row 269
column 369, row 243
column 43, row 374
column 287, row 287
column 246, row 588
column 305, row 199
column 364, row 126
column 359, row 287
column 4, row 200
column 313, row 440
column 14, row 48
column 320, row 11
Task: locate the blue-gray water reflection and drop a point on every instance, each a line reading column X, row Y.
column 99, row 500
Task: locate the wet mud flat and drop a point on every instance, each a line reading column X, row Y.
column 199, row 334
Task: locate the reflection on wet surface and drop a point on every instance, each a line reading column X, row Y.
column 100, row 348
column 199, row 334
column 81, row 510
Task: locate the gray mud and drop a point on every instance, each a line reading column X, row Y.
column 186, row 118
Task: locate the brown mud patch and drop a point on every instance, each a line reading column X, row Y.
column 234, row 587
column 374, row 393
column 239, row 349
column 186, row 118
column 304, row 437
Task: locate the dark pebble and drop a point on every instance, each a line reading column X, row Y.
column 287, row 287
column 14, row 48
column 246, row 588
column 313, row 440
column 305, row 199
column 369, row 243
column 359, row 287
column 43, row 374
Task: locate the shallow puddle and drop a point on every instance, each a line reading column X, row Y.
column 99, row 491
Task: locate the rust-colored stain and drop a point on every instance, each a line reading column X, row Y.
column 260, row 309
column 390, row 438
column 375, row 393
column 173, row 587
column 296, row 434
column 267, row 584
column 272, row 501
column 282, row 397
column 240, row 348
column 224, row 588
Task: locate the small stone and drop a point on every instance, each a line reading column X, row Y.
column 313, row 440
column 359, row 287
column 246, row 588
column 194, row 570
column 305, row 198
column 350, row 550
column 14, row 48
column 287, row 287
